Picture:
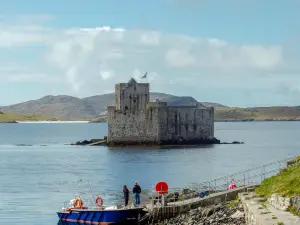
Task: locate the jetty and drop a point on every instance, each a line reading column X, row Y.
column 247, row 181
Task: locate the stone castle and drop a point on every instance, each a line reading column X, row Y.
column 136, row 120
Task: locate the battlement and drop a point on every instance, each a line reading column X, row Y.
column 131, row 96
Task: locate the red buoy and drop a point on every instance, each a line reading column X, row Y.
column 161, row 187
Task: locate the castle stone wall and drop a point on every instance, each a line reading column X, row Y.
column 186, row 123
column 132, row 96
column 128, row 128
column 160, row 124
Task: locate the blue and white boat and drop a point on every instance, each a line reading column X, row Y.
column 99, row 215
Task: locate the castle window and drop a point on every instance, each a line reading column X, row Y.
column 134, row 87
column 126, row 108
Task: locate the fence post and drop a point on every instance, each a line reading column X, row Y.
column 261, row 174
column 215, row 185
column 244, row 180
column 226, row 183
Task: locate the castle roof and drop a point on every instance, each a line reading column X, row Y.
column 132, row 81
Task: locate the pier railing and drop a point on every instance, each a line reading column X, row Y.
column 242, row 178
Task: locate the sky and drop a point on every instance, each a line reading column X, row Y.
column 241, row 53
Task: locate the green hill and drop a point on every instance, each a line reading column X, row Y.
column 277, row 113
column 65, row 107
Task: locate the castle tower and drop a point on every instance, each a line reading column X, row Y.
column 131, row 96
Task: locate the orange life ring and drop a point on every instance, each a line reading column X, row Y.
column 99, row 201
column 78, row 203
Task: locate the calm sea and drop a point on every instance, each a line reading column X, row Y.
column 38, row 172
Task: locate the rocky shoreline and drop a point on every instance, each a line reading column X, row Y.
column 8, row 121
column 102, row 142
column 215, row 214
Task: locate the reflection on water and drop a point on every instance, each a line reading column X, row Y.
column 37, row 180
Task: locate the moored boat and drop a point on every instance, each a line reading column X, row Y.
column 99, row 215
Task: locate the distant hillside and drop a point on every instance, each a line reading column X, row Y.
column 280, row 113
column 65, row 107
column 258, row 113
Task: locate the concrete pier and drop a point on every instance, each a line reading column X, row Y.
column 172, row 209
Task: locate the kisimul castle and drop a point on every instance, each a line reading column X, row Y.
column 136, row 120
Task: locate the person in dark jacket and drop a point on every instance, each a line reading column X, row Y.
column 137, row 190
column 126, row 194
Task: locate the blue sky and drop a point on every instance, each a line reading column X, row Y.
column 237, row 53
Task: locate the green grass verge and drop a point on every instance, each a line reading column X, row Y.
column 286, row 183
column 9, row 117
column 293, row 210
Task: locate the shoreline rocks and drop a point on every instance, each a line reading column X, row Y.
column 13, row 121
column 94, row 142
column 175, row 143
column 215, row 214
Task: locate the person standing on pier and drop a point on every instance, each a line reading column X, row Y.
column 126, row 194
column 137, row 190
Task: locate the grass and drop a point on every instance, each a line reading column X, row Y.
column 10, row 117
column 286, row 183
column 234, row 203
column 99, row 119
column 293, row 210
column 258, row 113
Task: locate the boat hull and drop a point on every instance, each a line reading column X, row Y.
column 101, row 217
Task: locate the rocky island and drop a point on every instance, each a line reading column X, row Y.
column 134, row 120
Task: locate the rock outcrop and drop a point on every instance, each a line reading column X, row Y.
column 216, row 214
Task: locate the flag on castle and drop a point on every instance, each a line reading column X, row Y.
column 144, row 77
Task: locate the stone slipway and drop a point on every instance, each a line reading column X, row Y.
column 259, row 212
column 174, row 208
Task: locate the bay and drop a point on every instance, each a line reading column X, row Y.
column 39, row 172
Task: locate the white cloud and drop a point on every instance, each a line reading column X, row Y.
column 106, row 74
column 121, row 53
column 30, row 78
column 29, row 35
column 91, row 60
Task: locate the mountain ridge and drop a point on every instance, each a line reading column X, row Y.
column 67, row 107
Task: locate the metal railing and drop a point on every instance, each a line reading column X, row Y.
column 243, row 178
column 167, row 208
